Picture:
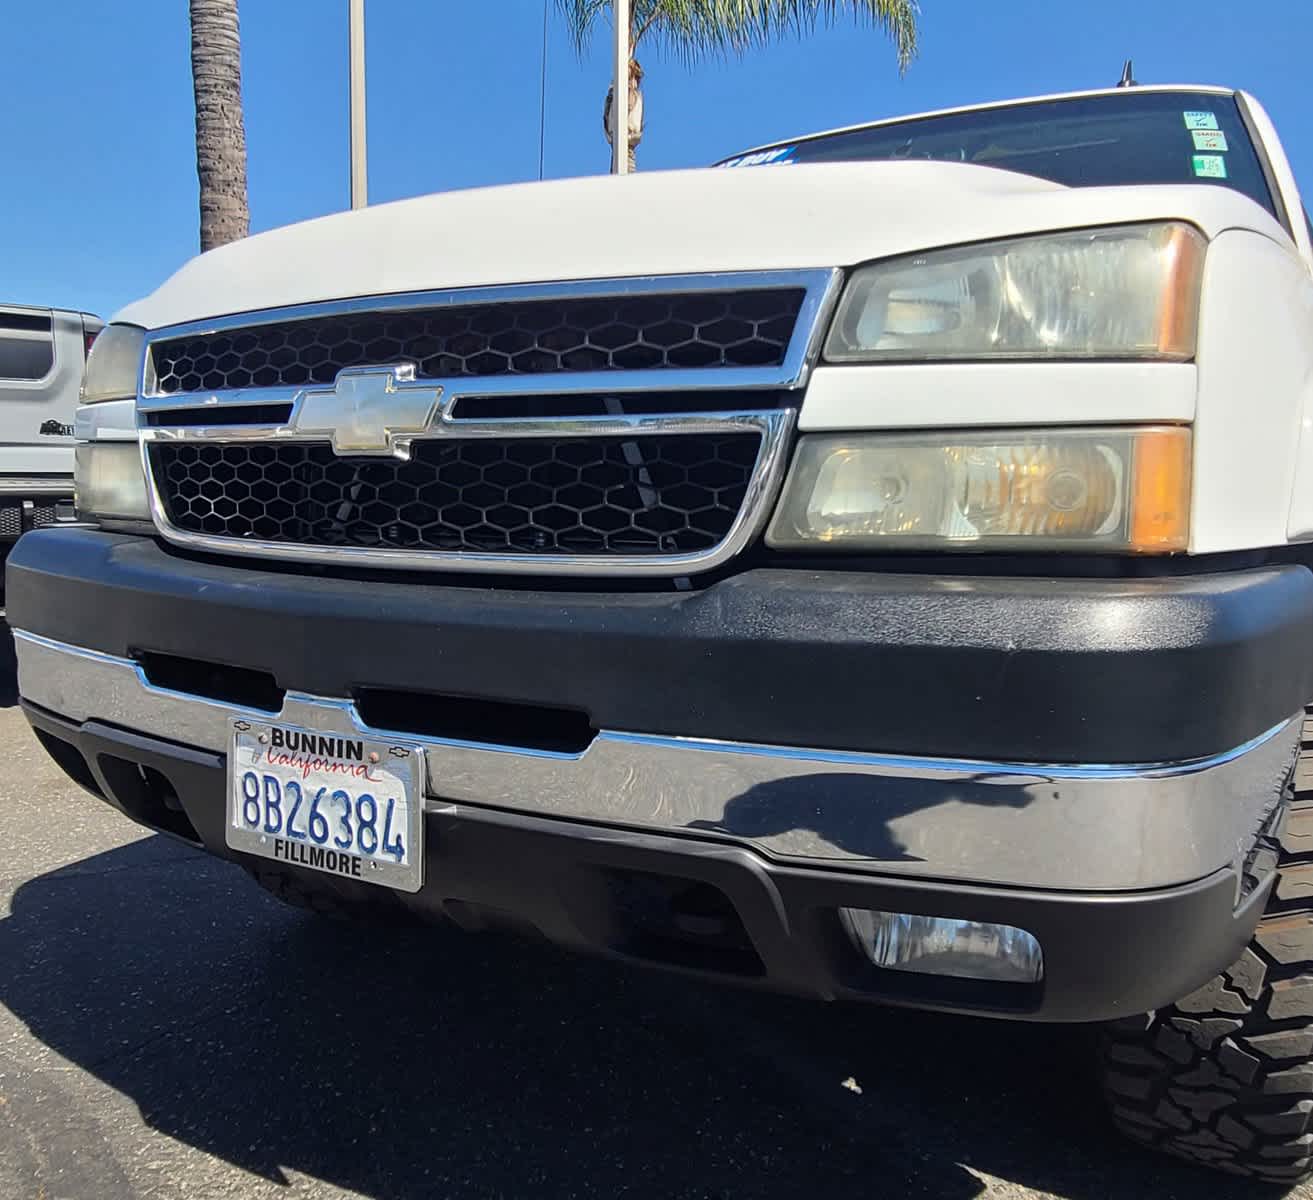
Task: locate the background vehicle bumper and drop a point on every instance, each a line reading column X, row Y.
column 34, row 502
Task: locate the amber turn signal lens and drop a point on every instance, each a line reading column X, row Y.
column 1160, row 492
column 1183, row 263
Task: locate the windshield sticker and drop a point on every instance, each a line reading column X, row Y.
column 762, row 158
column 1200, row 120
column 1210, row 166
column 1209, row 139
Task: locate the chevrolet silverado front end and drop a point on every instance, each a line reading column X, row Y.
column 882, row 576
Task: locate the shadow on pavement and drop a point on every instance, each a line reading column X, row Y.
column 435, row 1063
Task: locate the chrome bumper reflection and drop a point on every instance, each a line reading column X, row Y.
column 1077, row 827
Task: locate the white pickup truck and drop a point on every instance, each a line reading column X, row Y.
column 42, row 354
column 881, row 576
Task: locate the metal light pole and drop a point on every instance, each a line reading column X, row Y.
column 620, row 92
column 359, row 158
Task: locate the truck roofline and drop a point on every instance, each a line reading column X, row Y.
column 44, row 308
column 1211, row 89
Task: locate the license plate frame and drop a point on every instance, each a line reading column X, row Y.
column 324, row 766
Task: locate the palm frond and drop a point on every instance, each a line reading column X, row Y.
column 698, row 29
column 580, row 17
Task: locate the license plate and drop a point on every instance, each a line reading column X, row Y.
column 330, row 802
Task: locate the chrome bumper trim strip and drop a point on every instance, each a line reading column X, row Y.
column 1079, row 827
column 36, row 485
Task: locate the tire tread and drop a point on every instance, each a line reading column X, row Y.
column 1224, row 1077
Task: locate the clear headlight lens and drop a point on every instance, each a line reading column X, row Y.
column 108, row 482
column 1122, row 292
column 114, row 364
column 1092, row 489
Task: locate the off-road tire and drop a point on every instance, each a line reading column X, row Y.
column 1225, row 1076
column 339, row 900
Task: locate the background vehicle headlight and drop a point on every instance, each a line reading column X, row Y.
column 108, row 482
column 1092, row 489
column 1122, row 292
column 114, row 364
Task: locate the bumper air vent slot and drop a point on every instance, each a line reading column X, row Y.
column 682, row 922
column 147, row 795
column 488, row 722
column 243, row 686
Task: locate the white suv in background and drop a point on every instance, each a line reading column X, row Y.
column 42, row 353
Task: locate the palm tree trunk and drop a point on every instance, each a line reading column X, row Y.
column 635, row 118
column 216, row 70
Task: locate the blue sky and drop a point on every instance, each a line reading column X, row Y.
column 98, row 191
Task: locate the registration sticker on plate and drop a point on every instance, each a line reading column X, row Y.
column 331, row 802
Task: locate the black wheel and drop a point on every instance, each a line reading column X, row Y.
column 1225, row 1076
column 337, row 899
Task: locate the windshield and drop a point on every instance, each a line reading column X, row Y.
column 1132, row 137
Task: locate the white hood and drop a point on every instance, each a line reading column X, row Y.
column 658, row 223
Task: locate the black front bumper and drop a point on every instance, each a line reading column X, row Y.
column 720, row 911
column 1001, row 670
column 995, row 669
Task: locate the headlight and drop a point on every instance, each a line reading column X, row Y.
column 108, row 482
column 114, row 364
column 1091, row 489
column 1124, row 292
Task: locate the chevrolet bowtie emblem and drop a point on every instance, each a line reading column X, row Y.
column 369, row 408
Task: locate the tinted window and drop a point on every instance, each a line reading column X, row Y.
column 27, row 349
column 1132, row 137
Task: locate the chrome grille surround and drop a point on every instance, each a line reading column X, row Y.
column 532, row 496
column 523, row 337
column 737, row 403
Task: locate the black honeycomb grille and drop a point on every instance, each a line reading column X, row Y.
column 532, row 337
column 658, row 495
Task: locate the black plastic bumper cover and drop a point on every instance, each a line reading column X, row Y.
column 997, row 669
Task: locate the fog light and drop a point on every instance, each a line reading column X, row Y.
column 945, row 946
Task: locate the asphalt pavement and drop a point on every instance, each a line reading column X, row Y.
column 167, row 1030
